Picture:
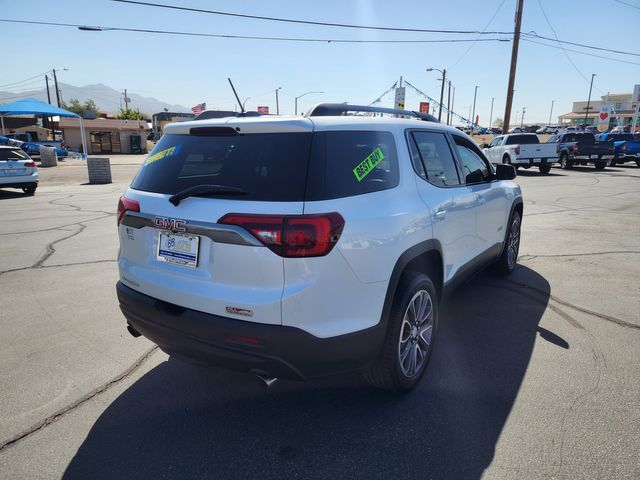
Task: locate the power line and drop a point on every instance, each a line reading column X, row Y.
column 247, row 37
column 304, row 22
column 25, row 80
column 478, row 37
column 544, row 14
column 581, row 53
column 365, row 27
column 583, row 45
column 627, row 4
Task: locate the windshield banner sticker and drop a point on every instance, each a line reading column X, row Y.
column 163, row 154
column 368, row 164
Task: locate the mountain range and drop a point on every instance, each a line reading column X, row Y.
column 107, row 98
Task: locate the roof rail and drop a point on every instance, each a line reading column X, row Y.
column 337, row 109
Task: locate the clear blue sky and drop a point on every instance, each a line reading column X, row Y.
column 189, row 70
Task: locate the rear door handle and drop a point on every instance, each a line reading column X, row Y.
column 440, row 215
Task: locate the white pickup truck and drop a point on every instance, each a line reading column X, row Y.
column 522, row 150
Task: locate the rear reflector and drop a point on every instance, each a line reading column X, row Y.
column 126, row 205
column 292, row 235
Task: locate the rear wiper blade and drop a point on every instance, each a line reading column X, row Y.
column 205, row 190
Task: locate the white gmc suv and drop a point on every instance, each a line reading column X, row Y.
column 304, row 246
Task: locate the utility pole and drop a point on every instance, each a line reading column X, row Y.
column 55, row 81
column 586, row 114
column 491, row 114
column 126, row 100
column 453, row 97
column 444, row 79
column 449, row 104
column 551, row 112
column 512, row 70
column 277, row 102
column 524, row 109
column 473, row 115
column 46, row 80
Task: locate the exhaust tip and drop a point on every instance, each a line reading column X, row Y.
column 266, row 380
column 134, row 333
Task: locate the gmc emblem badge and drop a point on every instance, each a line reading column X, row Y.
column 171, row 224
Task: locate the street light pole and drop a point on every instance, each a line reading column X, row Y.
column 491, row 114
column 453, row 97
column 524, row 109
column 444, row 79
column 55, row 81
column 277, row 103
column 551, row 111
column 449, row 104
column 300, row 96
column 589, row 100
column 473, row 115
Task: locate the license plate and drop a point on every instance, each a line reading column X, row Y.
column 13, row 171
column 594, row 156
column 178, row 248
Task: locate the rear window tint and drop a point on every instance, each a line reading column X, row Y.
column 522, row 140
column 270, row 167
column 8, row 154
column 347, row 163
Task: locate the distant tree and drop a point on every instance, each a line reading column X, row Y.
column 498, row 122
column 130, row 114
column 75, row 106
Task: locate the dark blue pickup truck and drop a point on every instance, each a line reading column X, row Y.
column 627, row 146
column 582, row 149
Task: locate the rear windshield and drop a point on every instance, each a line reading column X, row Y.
column 274, row 166
column 270, row 167
column 8, row 154
column 522, row 140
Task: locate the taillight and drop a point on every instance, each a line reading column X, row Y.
column 292, row 235
column 518, row 150
column 574, row 148
column 126, row 205
column 30, row 163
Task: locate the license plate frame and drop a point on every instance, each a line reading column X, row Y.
column 594, row 157
column 167, row 252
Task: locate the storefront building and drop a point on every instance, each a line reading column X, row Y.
column 621, row 111
column 106, row 135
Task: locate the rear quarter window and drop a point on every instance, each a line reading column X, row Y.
column 10, row 154
column 347, row 163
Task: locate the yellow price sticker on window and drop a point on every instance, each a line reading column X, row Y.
column 168, row 152
column 365, row 167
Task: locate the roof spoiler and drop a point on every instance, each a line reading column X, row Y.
column 338, row 109
column 209, row 114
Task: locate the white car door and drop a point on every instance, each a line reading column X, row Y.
column 451, row 203
column 491, row 201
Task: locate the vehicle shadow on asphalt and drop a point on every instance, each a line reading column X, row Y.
column 182, row 421
column 534, row 172
column 5, row 194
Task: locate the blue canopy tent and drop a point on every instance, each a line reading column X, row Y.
column 33, row 106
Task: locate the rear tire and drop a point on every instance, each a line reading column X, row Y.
column 613, row 162
column 565, row 163
column 601, row 165
column 544, row 169
column 509, row 257
column 30, row 190
column 409, row 342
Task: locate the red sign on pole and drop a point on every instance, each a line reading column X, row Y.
column 264, row 110
column 424, row 107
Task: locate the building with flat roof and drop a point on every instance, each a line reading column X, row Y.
column 105, row 135
column 622, row 110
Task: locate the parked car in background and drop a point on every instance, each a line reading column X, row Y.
column 521, row 150
column 627, row 146
column 621, row 129
column 591, row 129
column 26, row 141
column 570, row 129
column 17, row 170
column 516, row 130
column 548, row 129
column 582, row 149
column 496, row 130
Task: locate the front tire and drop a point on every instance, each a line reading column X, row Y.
column 544, row 169
column 509, row 257
column 410, row 335
column 601, row 165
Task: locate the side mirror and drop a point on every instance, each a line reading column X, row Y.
column 485, row 145
column 505, row 172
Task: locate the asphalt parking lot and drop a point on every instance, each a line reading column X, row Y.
column 536, row 376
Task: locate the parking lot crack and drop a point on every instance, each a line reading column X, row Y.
column 54, row 417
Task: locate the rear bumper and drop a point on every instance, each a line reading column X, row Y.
column 280, row 351
column 19, row 181
column 534, row 161
column 587, row 158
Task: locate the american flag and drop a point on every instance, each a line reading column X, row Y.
column 198, row 109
